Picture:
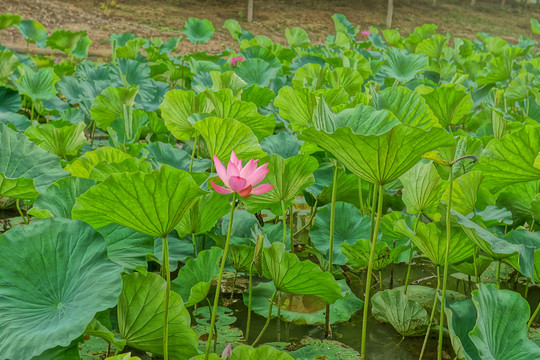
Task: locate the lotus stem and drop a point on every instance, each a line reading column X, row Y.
column 233, row 284
column 220, row 278
column 284, row 219
column 327, row 327
column 432, row 312
column 446, row 256
column 250, row 297
column 20, row 211
column 374, row 235
column 267, row 319
column 411, row 254
column 533, row 316
column 167, row 274
column 380, row 281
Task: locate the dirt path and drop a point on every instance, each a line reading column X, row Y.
column 166, row 18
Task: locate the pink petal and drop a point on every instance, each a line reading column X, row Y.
column 220, row 189
column 245, row 192
column 261, row 189
column 236, row 161
column 222, row 173
column 250, row 167
column 258, row 175
column 237, row 183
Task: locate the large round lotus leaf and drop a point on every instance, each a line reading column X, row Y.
column 501, row 325
column 141, row 316
column 33, row 32
column 304, row 309
column 54, row 277
column 405, row 315
column 150, row 203
column 461, row 317
column 263, row 352
column 312, row 349
column 25, row 169
column 380, row 159
column 198, row 31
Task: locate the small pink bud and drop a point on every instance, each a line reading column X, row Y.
column 365, row 32
column 226, row 354
column 236, row 60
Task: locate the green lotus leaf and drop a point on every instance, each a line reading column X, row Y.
column 126, row 132
column 37, row 84
column 465, row 192
column 404, row 67
column 358, row 254
column 55, row 277
column 198, row 31
column 422, row 188
column 227, row 106
column 366, row 120
column 284, row 144
column 63, row 141
column 25, row 169
column 289, row 177
column 260, row 96
column 150, row 203
column 499, row 68
column 65, row 40
column 305, row 309
column 310, row 349
column 501, row 325
column 297, row 37
column 222, row 136
column 450, row 103
column 111, row 104
column 380, row 159
column 518, row 199
column 202, row 217
column 7, row 20
column 296, row 106
column 496, row 247
column 510, row 160
column 176, row 109
column 298, row 277
column 349, row 227
column 529, row 238
column 127, row 247
column 405, row 315
column 461, row 317
column 8, row 63
column 407, row 105
column 256, row 71
column 242, row 352
column 432, row 47
column 241, row 256
column 104, row 169
column 227, row 80
column 83, row 166
column 196, row 276
column 123, row 357
column 347, row 78
column 431, row 240
column 141, row 315
column 58, row 199
column 131, row 48
column 162, row 153
column 33, row 32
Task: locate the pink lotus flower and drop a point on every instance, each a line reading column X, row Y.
column 227, row 352
column 241, row 179
column 236, row 60
column 365, row 32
